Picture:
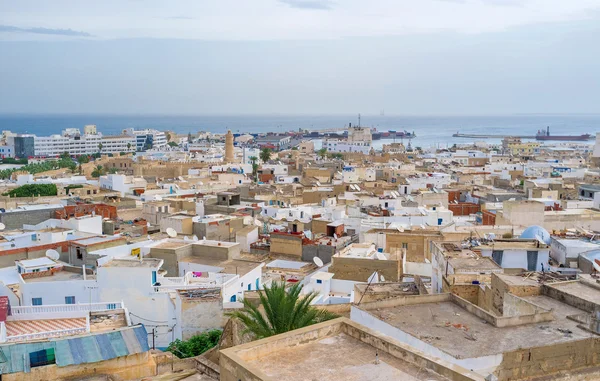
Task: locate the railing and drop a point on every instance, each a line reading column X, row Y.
column 58, row 308
column 43, row 335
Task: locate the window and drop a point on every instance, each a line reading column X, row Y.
column 69, row 300
column 41, row 358
column 36, row 301
column 404, row 245
column 79, row 254
column 111, row 306
column 319, row 281
column 153, row 278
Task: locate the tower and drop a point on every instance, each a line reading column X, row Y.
column 229, row 157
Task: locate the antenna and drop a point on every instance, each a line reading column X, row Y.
column 171, row 232
column 317, row 261
column 52, row 254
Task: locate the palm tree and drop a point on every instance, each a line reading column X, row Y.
column 128, row 147
column 100, row 147
column 284, row 310
column 265, row 155
column 254, row 166
column 322, row 152
column 98, row 171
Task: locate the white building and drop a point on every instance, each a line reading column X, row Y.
column 73, row 142
column 7, row 151
column 121, row 183
column 147, row 139
column 340, row 146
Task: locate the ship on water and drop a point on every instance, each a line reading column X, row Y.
column 545, row 135
column 393, row 135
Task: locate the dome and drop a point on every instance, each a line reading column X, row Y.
column 536, row 231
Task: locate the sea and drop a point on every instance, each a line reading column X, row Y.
column 431, row 131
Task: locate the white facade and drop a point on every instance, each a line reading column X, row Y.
column 340, row 146
column 7, row 151
column 517, row 258
column 566, row 251
column 76, row 144
column 121, row 183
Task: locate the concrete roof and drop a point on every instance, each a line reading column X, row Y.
column 439, row 319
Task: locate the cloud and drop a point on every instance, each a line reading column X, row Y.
column 309, row 4
column 179, row 18
column 56, row 32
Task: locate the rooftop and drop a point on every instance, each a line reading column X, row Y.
column 338, row 350
column 339, row 357
column 514, row 245
column 146, row 262
column 453, row 327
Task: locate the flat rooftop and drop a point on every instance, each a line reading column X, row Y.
column 59, row 276
column 447, row 326
column 339, row 357
column 171, row 244
column 514, row 245
column 230, row 266
column 146, row 262
column 579, row 290
column 97, row 240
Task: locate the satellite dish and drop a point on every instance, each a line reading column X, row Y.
column 318, row 183
column 317, row 261
column 158, row 198
column 335, row 236
column 381, row 278
column 185, row 238
column 52, row 254
column 148, row 237
column 148, row 224
column 400, row 229
column 380, row 256
column 180, row 178
column 195, row 238
column 171, row 232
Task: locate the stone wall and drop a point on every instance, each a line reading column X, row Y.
column 359, row 269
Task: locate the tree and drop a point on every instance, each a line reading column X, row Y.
column 65, row 155
column 254, row 165
column 322, row 152
column 172, row 144
column 190, row 137
column 98, row 171
column 128, row 146
column 30, row 190
column 100, row 147
column 284, row 310
column 113, row 170
column 82, row 159
column 196, row 345
column 265, row 155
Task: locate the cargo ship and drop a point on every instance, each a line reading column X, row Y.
column 545, row 135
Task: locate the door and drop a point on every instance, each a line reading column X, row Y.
column 232, row 299
column 497, row 256
column 532, row 259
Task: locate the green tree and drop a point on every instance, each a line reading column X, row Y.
column 172, row 144
column 98, row 171
column 113, row 170
column 284, row 310
column 265, row 155
column 128, row 146
column 100, row 147
column 82, row 159
column 65, row 155
column 322, row 152
column 30, row 190
column 196, row 345
column 253, row 159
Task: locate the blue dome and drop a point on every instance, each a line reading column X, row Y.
column 536, row 231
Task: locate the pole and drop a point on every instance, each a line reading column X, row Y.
column 153, row 347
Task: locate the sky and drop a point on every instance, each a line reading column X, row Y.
column 414, row 57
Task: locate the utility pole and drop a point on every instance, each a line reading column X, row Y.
column 153, row 336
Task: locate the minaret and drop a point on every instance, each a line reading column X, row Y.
column 229, row 157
